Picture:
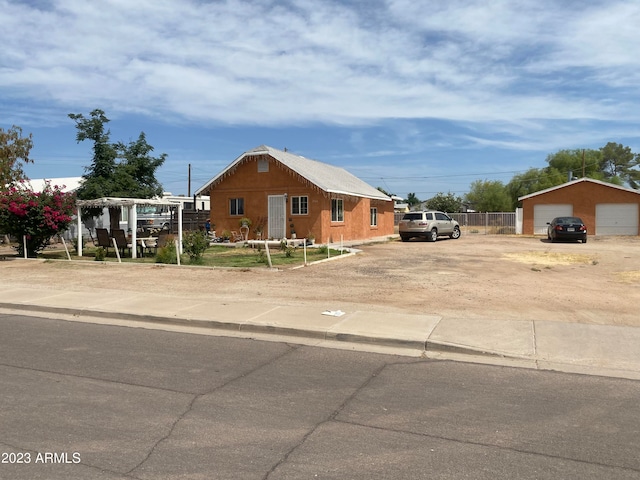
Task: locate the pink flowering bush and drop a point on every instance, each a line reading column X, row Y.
column 37, row 215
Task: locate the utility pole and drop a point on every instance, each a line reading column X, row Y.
column 583, row 163
column 189, row 187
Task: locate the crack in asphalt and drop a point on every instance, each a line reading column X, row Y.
column 187, row 410
column 330, row 417
column 491, row 445
column 203, row 394
column 96, row 379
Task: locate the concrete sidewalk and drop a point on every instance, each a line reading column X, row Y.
column 589, row 349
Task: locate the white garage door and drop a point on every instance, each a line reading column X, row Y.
column 545, row 213
column 617, row 219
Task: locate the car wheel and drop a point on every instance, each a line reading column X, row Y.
column 404, row 238
column 584, row 240
column 548, row 235
column 433, row 235
column 456, row 233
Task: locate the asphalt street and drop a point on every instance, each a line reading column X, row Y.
column 87, row 401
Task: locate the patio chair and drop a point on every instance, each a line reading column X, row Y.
column 104, row 240
column 237, row 237
column 121, row 240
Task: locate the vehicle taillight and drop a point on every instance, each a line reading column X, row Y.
column 559, row 227
column 583, row 228
column 423, row 224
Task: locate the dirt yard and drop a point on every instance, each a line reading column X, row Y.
column 500, row 277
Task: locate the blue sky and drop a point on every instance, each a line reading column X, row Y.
column 421, row 96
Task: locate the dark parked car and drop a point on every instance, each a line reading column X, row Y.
column 569, row 228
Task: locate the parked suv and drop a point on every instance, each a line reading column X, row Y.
column 430, row 224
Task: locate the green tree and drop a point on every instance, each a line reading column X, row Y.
column 412, row 200
column 14, row 152
column 620, row 162
column 445, row 203
column 578, row 163
column 136, row 174
column 116, row 170
column 489, row 196
column 385, row 192
column 533, row 180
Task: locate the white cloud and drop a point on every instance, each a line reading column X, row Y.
column 285, row 63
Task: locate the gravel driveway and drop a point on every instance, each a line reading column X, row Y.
column 500, row 277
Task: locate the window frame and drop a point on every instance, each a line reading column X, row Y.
column 373, row 216
column 299, row 202
column 236, row 205
column 337, row 208
column 263, row 165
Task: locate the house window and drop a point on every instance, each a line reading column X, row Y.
column 299, row 205
column 337, row 210
column 236, row 206
column 374, row 217
column 263, row 165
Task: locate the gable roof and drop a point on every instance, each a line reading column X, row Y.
column 579, row 180
column 328, row 178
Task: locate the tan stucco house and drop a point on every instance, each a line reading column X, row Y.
column 289, row 195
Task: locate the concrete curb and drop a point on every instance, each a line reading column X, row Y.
column 442, row 347
column 323, row 336
column 419, row 345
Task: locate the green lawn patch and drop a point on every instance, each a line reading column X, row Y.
column 216, row 256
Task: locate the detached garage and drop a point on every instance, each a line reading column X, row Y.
column 605, row 208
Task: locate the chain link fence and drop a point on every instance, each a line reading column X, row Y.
column 487, row 223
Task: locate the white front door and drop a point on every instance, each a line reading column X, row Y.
column 277, row 223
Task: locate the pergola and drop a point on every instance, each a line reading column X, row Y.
column 130, row 203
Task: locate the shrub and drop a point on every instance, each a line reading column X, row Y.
column 167, row 254
column 38, row 216
column 194, row 244
column 100, row 254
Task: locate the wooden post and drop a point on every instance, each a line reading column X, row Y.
column 266, row 247
column 115, row 246
column 65, row 245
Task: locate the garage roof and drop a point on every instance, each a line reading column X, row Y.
column 573, row 182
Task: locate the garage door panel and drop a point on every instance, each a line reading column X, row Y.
column 617, row 219
column 547, row 212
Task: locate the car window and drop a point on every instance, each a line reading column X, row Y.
column 441, row 216
column 412, row 216
column 429, row 216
